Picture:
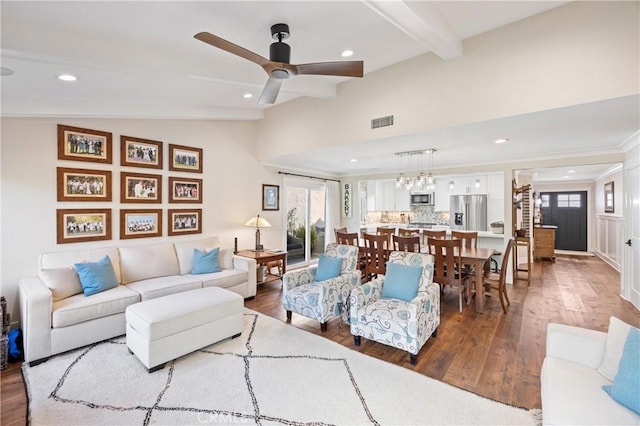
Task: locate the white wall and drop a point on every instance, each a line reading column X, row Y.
column 609, row 227
column 232, row 186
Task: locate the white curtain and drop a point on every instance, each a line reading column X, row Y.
column 332, row 219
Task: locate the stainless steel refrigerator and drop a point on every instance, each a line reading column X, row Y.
column 468, row 212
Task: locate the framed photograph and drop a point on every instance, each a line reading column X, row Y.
column 270, row 197
column 140, row 188
column 138, row 152
column 140, row 223
column 185, row 190
column 83, row 184
column 79, row 225
column 78, row 144
column 185, row 158
column 185, row 221
column 609, row 199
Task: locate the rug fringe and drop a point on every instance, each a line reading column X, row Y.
column 536, row 414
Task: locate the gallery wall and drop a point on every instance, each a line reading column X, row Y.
column 232, row 187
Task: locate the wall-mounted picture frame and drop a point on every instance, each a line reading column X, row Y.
column 140, row 223
column 140, row 188
column 185, row 190
column 80, row 225
column 185, row 158
column 78, row 144
column 83, row 184
column 270, row 197
column 184, row 221
column 609, row 198
column 138, row 152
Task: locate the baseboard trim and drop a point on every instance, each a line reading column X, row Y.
column 608, row 260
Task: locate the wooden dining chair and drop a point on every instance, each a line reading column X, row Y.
column 409, row 243
column 430, row 233
column 389, row 232
column 351, row 239
column 469, row 238
column 376, row 254
column 448, row 264
column 406, row 232
column 497, row 281
column 336, row 230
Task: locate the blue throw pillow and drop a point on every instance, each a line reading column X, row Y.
column 96, row 276
column 205, row 262
column 626, row 385
column 328, row 267
column 401, row 281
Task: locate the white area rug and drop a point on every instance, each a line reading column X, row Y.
column 273, row 373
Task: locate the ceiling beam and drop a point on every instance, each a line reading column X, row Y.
column 422, row 22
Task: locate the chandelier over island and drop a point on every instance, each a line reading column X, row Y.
column 407, row 161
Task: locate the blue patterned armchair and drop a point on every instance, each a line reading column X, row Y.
column 323, row 300
column 394, row 322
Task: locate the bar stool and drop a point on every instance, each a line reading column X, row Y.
column 526, row 243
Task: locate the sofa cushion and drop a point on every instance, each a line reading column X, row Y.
column 224, row 279
column 163, row 286
column 141, row 263
column 328, row 267
column 78, row 308
column 226, row 258
column 626, row 386
column 96, row 277
column 616, row 336
column 205, row 262
column 63, row 282
column 573, row 394
column 401, row 281
column 66, row 259
column 184, row 251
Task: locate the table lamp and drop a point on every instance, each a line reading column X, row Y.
column 258, row 222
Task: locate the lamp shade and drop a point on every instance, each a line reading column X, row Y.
column 258, row 222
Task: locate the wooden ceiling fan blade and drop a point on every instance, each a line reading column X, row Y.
column 227, row 46
column 270, row 91
column 340, row 68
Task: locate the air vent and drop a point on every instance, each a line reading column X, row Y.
column 382, row 122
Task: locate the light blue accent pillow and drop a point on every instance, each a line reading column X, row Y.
column 626, row 385
column 328, row 267
column 205, row 262
column 401, row 282
column 96, row 276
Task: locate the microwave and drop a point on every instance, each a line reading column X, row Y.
column 424, row 199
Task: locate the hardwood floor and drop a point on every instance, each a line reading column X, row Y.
column 492, row 354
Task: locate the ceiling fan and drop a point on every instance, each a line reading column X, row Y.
column 277, row 66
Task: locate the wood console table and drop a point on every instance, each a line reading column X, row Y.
column 265, row 258
column 544, row 242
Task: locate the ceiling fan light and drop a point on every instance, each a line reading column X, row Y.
column 280, row 74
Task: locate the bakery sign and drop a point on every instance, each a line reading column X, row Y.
column 347, row 194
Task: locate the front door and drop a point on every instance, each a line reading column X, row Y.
column 568, row 211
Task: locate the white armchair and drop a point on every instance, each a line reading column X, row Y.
column 395, row 322
column 323, row 300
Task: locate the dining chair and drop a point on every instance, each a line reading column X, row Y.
column 430, row 233
column 336, row 230
column 401, row 243
column 389, row 232
column 448, row 264
column 351, row 239
column 376, row 255
column 469, row 240
column 497, row 281
column 403, row 232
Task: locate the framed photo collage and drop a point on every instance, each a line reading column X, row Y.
column 141, row 187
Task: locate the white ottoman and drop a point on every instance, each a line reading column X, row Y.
column 162, row 329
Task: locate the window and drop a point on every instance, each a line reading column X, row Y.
column 569, row 201
column 545, row 200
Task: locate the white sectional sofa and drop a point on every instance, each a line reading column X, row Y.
column 53, row 325
column 572, row 378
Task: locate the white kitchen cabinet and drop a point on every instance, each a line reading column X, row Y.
column 469, row 185
column 402, row 200
column 371, row 195
column 442, row 193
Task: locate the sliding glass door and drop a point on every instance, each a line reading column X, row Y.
column 305, row 207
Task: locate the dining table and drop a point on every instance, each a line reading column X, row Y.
column 477, row 257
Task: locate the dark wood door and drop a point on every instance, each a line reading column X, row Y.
column 568, row 211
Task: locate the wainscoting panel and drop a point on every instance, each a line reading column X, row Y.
column 609, row 239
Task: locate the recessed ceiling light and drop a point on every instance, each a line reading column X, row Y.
column 565, row 177
column 501, row 140
column 248, row 95
column 571, row 171
column 4, row 71
column 67, row 77
column 347, row 53
column 354, row 160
